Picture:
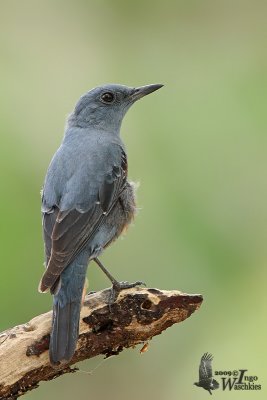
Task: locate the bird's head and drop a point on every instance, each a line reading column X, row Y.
column 105, row 106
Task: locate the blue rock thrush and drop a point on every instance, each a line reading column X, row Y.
column 86, row 204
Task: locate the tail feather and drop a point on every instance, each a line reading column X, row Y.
column 68, row 293
column 65, row 331
column 215, row 384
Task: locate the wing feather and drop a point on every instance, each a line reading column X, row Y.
column 205, row 369
column 48, row 223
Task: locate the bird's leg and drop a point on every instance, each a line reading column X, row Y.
column 116, row 285
column 106, row 272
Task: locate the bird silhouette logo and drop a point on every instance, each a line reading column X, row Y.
column 206, row 380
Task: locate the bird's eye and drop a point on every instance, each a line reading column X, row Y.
column 107, row 97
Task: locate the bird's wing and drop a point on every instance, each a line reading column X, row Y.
column 205, row 369
column 67, row 232
column 48, row 222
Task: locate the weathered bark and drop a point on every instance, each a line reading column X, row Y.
column 136, row 316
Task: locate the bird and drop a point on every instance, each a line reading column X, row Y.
column 206, row 380
column 87, row 203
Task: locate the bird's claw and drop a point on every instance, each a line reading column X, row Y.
column 117, row 287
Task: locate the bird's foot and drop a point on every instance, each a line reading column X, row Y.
column 117, row 287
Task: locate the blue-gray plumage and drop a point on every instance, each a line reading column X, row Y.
column 86, row 203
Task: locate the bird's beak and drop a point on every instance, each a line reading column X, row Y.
column 142, row 91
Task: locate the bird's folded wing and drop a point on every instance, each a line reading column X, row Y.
column 67, row 232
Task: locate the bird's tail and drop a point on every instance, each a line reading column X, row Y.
column 65, row 331
column 215, row 384
column 66, row 313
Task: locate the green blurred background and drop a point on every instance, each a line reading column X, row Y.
column 198, row 148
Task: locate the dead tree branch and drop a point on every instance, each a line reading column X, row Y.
column 136, row 316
